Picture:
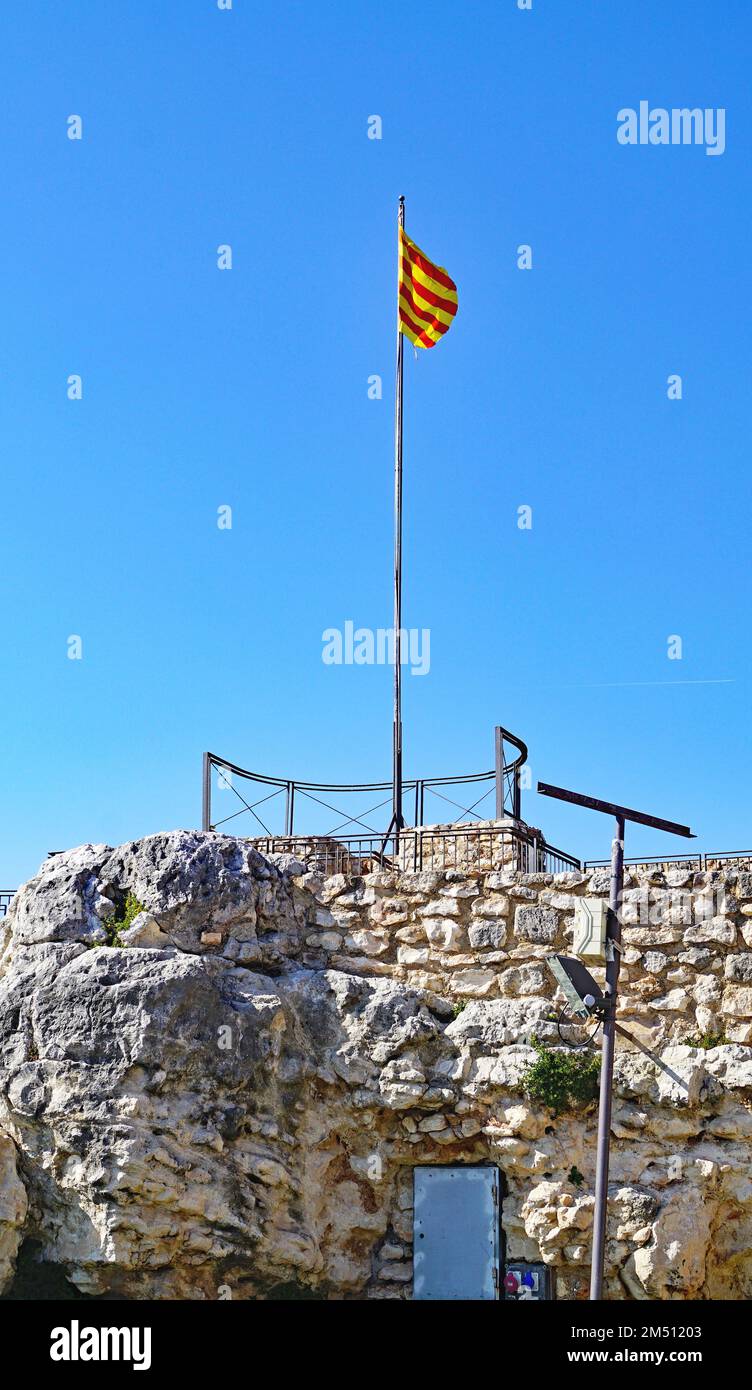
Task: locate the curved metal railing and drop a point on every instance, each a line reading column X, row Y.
column 503, row 779
column 468, row 837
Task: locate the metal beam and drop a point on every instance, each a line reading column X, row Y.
column 592, row 803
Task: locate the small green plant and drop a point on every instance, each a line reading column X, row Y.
column 575, row 1176
column 459, row 1006
column 707, row 1040
column 562, row 1080
column 116, row 924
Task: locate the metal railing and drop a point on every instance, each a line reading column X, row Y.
column 470, row 838
column 468, row 848
column 5, row 900
column 711, row 859
column 282, row 796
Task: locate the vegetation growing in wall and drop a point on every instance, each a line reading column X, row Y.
column 706, row 1040
column 122, row 920
column 562, row 1080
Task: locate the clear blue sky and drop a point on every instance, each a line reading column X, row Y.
column 248, row 388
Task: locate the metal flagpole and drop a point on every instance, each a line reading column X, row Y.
column 397, row 820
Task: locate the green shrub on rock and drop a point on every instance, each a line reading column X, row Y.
column 562, row 1080
column 116, row 924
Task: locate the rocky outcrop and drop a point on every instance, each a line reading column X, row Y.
column 13, row 1209
column 232, row 1102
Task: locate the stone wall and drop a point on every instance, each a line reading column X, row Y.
column 687, row 940
column 235, row 1097
column 482, row 846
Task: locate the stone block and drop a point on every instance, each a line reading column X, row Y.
column 739, row 967
column 737, row 1001
column 491, row 934
column 473, row 984
column 536, row 923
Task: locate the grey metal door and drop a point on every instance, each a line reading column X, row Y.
column 456, row 1233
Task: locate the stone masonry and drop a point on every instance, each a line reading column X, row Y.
column 235, row 1097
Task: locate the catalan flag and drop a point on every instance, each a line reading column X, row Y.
column 427, row 296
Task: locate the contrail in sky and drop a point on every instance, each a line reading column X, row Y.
column 613, row 685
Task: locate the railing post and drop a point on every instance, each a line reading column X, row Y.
column 206, row 793
column 499, row 763
column 290, row 817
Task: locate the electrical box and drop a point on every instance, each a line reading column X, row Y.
column 527, row 1283
column 456, row 1232
column 590, row 929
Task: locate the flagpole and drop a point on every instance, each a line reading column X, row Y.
column 397, row 821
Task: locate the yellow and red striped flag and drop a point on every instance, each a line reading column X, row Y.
column 427, row 297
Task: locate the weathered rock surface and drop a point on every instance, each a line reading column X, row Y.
column 13, row 1209
column 236, row 1098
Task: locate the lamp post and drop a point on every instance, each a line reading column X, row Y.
column 610, row 1027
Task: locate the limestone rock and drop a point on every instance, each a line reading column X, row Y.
column 13, row 1208
column 525, row 979
column 248, row 1113
column 144, row 931
column 673, row 1264
column 739, row 968
column 536, row 923
column 470, row 983
column 717, row 929
column 737, row 1001
column 58, row 904
column 483, row 934
column 485, row 1026
column 444, row 935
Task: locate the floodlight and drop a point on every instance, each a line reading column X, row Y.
column 576, row 983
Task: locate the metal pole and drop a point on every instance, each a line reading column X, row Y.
column 397, row 820
column 499, row 761
column 613, row 939
column 206, row 793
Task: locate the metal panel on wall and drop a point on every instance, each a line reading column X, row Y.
column 456, row 1233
